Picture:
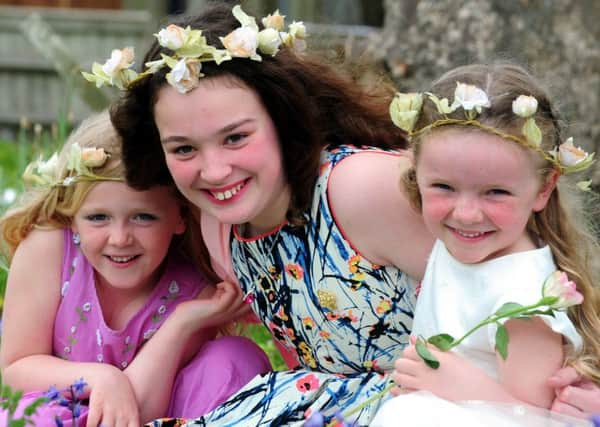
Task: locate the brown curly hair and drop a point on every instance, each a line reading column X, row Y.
column 311, row 105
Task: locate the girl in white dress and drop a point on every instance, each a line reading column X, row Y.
column 486, row 168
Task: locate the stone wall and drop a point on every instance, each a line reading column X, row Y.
column 557, row 39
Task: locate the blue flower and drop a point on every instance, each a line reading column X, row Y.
column 595, row 420
column 52, row 393
column 76, row 409
column 58, row 422
column 78, row 387
column 315, row 420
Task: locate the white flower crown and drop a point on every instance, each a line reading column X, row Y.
column 190, row 49
column 80, row 163
column 566, row 157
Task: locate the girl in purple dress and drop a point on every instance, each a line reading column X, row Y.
column 102, row 286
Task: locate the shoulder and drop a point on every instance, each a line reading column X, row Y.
column 41, row 245
column 366, row 197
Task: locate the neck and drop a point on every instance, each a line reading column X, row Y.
column 272, row 218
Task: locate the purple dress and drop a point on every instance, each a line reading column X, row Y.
column 80, row 334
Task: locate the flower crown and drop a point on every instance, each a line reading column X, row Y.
column 190, row 49
column 566, row 157
column 80, row 163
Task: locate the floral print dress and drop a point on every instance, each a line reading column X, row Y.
column 345, row 318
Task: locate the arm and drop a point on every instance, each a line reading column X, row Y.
column 31, row 302
column 369, row 205
column 522, row 376
column 153, row 370
column 575, row 396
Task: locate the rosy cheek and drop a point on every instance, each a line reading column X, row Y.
column 182, row 171
column 435, row 208
column 503, row 213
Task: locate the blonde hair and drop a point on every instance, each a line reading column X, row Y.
column 54, row 207
column 562, row 224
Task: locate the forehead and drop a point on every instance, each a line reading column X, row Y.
column 474, row 153
column 118, row 195
column 216, row 102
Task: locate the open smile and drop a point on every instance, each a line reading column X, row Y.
column 226, row 194
column 122, row 259
column 470, row 235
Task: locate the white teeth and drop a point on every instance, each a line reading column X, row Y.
column 122, row 258
column 469, row 235
column 227, row 194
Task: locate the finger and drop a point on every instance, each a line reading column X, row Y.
column 566, row 409
column 564, row 377
column 93, row 418
column 413, row 339
column 405, row 382
column 396, row 391
column 410, row 352
column 583, row 399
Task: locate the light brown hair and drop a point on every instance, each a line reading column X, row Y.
column 562, row 224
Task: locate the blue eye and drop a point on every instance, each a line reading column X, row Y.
column 235, row 138
column 145, row 217
column 441, row 186
column 499, row 192
column 183, row 149
column 96, row 217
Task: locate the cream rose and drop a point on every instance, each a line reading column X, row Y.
column 269, row 41
column 525, row 106
column 93, row 157
column 242, row 42
column 470, row 97
column 173, row 37
column 569, row 155
column 184, row 76
column 120, row 59
column 274, row 20
column 404, row 110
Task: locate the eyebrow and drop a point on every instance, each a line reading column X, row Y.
column 226, row 129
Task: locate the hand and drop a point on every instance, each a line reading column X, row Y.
column 575, row 396
column 214, row 306
column 112, row 401
column 455, row 379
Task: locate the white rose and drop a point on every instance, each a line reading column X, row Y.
column 569, row 155
column 470, row 97
column 274, row 21
column 93, row 157
column 297, row 30
column 48, row 168
column 120, row 59
column 184, row 76
column 242, row 42
column 524, row 106
column 172, row 37
column 269, row 41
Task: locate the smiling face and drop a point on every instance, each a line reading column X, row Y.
column 222, row 150
column 478, row 192
column 125, row 234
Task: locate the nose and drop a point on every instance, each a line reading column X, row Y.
column 467, row 210
column 215, row 166
column 120, row 235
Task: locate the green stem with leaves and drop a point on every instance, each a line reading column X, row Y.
column 445, row 342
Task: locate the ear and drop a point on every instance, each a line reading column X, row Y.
column 180, row 226
column 546, row 191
